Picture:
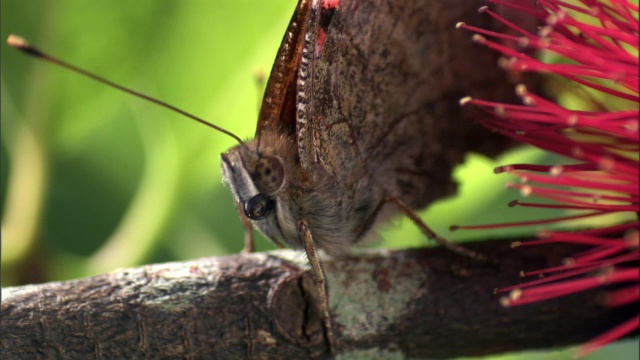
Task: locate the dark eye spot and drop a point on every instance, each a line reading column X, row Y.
column 259, row 207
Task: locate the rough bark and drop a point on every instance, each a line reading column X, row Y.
column 415, row 303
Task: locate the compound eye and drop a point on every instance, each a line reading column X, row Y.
column 259, row 206
column 269, row 174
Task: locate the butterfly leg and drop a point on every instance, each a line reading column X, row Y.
column 248, row 230
column 249, row 246
column 318, row 275
column 433, row 236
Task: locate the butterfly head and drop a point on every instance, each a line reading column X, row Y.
column 258, row 180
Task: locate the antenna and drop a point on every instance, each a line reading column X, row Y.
column 24, row 46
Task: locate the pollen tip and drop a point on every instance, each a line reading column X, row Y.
column 460, row 24
column 521, row 90
column 465, row 100
column 479, row 39
column 523, row 41
column 606, row 163
column 544, row 234
column 516, row 244
column 515, row 294
column 556, row 170
column 545, row 31
column 529, row 101
column 526, row 191
column 483, row 9
column 503, row 62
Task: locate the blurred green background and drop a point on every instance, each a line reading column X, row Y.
column 93, row 179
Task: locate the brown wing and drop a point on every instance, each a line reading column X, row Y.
column 278, row 104
column 384, row 96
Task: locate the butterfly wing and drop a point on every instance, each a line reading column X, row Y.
column 277, row 111
column 385, row 81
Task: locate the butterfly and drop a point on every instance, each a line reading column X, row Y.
column 360, row 122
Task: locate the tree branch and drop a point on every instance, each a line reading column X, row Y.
column 421, row 303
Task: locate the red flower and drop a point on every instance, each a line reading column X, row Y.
column 597, row 44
